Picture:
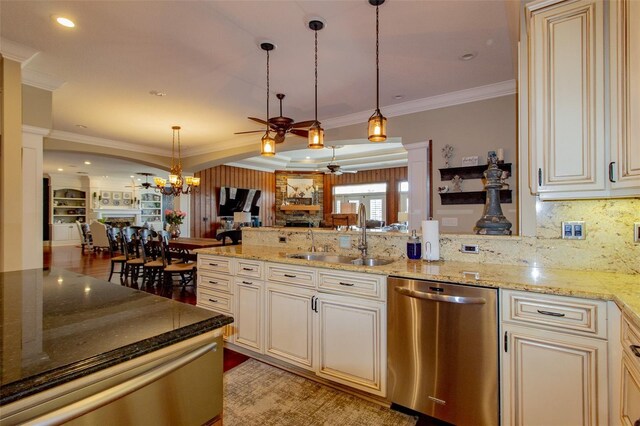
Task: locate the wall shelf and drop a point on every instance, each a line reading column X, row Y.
column 472, row 197
column 299, row 208
column 469, row 172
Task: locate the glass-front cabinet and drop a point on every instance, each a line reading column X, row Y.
column 151, row 209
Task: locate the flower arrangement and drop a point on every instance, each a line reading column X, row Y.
column 174, row 217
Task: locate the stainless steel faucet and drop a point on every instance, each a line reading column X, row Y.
column 313, row 244
column 362, row 223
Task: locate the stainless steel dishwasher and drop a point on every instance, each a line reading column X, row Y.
column 443, row 350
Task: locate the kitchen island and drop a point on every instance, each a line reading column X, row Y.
column 75, row 347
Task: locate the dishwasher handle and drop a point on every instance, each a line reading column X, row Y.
column 463, row 300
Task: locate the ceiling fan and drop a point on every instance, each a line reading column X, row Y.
column 145, row 184
column 333, row 166
column 282, row 125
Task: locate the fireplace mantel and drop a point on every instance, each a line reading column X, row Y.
column 116, row 213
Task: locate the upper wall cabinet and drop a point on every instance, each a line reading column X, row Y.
column 571, row 154
column 624, row 60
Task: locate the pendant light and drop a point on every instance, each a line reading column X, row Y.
column 268, row 144
column 316, row 132
column 377, row 122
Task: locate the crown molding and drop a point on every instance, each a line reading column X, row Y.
column 16, row 51
column 91, row 140
column 474, row 94
column 40, row 131
column 41, row 80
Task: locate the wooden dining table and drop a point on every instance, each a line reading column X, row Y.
column 187, row 243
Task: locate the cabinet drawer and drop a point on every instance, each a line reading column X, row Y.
column 288, row 274
column 249, row 268
column 215, row 282
column 214, row 264
column 631, row 341
column 215, row 300
column 341, row 282
column 561, row 313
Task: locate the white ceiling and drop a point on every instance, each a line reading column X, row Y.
column 204, row 55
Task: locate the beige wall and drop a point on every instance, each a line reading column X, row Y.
column 472, row 129
column 37, row 107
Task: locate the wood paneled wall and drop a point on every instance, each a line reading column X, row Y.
column 204, row 204
column 391, row 177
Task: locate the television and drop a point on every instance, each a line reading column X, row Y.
column 231, row 200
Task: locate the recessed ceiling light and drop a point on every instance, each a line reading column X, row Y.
column 87, row 162
column 398, row 97
column 307, row 157
column 132, row 176
column 467, row 56
column 65, row 22
column 157, row 93
column 81, row 126
column 61, row 170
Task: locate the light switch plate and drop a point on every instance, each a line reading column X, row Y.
column 345, row 241
column 573, row 230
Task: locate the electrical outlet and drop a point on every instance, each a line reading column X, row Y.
column 282, row 239
column 636, row 232
column 345, row 241
column 470, row 248
column 574, row 230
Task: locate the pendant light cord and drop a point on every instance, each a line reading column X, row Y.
column 316, row 75
column 268, row 92
column 377, row 62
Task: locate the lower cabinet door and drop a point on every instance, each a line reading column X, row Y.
column 248, row 315
column 553, row 378
column 351, row 342
column 289, row 324
column 630, row 410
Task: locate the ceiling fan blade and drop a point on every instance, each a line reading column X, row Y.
column 250, row 131
column 259, row 120
column 349, row 171
column 303, row 123
column 301, row 133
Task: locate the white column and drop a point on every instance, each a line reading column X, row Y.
column 32, row 139
column 419, row 182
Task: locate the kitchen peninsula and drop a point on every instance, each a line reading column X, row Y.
column 78, row 347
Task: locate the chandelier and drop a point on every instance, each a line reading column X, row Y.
column 176, row 184
column 316, row 132
column 377, row 122
column 267, row 143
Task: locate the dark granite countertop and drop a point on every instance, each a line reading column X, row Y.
column 57, row 326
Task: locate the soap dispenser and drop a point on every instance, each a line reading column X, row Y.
column 414, row 246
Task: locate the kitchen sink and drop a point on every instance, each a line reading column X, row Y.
column 339, row 258
column 371, row 261
column 323, row 257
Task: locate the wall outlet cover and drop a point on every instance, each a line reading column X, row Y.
column 344, row 241
column 282, row 239
column 636, row 232
column 574, row 230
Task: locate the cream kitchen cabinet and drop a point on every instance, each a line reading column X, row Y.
column 65, row 233
column 583, row 142
column 215, row 288
column 249, row 304
column 630, row 395
column 352, row 342
column 624, row 86
column 289, row 319
column 554, row 363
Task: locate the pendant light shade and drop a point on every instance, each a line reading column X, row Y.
column 268, row 144
column 377, row 130
column 316, row 132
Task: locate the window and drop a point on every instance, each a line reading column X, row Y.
column 403, row 191
column 375, row 207
column 372, row 195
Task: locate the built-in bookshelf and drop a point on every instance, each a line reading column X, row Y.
column 68, row 206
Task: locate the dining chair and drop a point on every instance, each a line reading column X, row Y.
column 116, row 251
column 186, row 270
column 99, row 235
column 131, row 246
column 85, row 235
column 152, row 264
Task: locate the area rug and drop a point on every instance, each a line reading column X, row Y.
column 259, row 394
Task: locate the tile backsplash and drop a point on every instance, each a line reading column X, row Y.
column 608, row 245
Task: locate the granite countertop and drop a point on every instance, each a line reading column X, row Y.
column 623, row 289
column 58, row 326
